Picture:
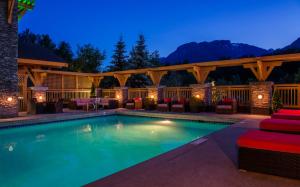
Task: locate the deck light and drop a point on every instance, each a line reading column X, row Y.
column 198, row 96
column 9, row 99
column 118, row 96
column 260, row 97
column 152, row 96
column 40, row 98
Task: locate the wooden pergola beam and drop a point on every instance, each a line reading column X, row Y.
column 96, row 80
column 156, row 76
column 122, row 78
column 10, row 11
column 262, row 70
column 201, row 73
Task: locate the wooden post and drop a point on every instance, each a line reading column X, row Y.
column 262, row 70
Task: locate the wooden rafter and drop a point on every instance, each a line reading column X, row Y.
column 96, row 80
column 122, row 78
column 201, row 73
column 156, row 76
column 11, row 6
column 262, row 70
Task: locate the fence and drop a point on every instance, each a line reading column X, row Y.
column 289, row 94
column 137, row 92
column 110, row 93
column 178, row 92
column 239, row 92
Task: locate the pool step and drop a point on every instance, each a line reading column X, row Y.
column 199, row 141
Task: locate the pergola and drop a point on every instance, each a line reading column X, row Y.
column 260, row 66
column 23, row 6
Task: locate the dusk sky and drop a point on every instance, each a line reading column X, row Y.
column 166, row 24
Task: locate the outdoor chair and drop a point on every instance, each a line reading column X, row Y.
column 179, row 106
column 129, row 104
column 270, row 152
column 226, row 106
column 164, row 106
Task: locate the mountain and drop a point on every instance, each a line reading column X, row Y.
column 210, row 51
column 295, row 45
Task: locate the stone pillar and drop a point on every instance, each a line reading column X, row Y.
column 203, row 92
column 156, row 93
column 8, row 62
column 39, row 93
column 121, row 95
column 261, row 97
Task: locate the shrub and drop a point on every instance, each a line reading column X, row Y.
column 196, row 104
column 276, row 102
column 149, row 104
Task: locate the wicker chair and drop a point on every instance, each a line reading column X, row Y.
column 227, row 106
column 179, row 106
column 164, row 106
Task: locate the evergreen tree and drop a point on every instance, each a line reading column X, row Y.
column 154, row 59
column 89, row 59
column 46, row 42
column 139, row 54
column 65, row 52
column 28, row 37
column 119, row 57
column 139, row 59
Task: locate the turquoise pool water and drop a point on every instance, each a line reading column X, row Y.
column 74, row 153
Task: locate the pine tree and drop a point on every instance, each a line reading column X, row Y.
column 119, row 58
column 64, row 51
column 46, row 42
column 139, row 59
column 139, row 54
column 154, row 59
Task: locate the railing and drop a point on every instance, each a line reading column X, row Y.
column 240, row 92
column 137, row 92
column 178, row 92
column 289, row 94
column 22, row 101
column 110, row 93
column 67, row 94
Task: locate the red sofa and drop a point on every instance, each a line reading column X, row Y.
column 280, row 125
column 165, row 105
column 270, row 152
column 288, row 111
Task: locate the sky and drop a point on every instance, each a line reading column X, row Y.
column 166, row 24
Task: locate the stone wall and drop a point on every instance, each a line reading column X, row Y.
column 156, row 93
column 8, row 62
column 261, row 97
column 203, row 92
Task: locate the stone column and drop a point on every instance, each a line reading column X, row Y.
column 261, row 97
column 203, row 92
column 156, row 93
column 121, row 95
column 39, row 93
column 8, row 62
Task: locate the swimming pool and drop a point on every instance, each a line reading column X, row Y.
column 74, row 153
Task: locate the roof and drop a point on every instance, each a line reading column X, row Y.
column 36, row 52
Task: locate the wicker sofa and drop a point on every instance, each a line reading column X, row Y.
column 164, row 105
column 179, row 106
column 270, row 152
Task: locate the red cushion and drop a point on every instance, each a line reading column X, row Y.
column 280, row 125
column 182, row 101
column 271, row 141
column 288, row 111
column 286, row 116
column 138, row 99
column 167, row 100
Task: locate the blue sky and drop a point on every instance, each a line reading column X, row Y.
column 166, row 24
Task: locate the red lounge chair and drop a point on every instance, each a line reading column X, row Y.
column 281, row 125
column 165, row 106
column 270, row 152
column 179, row 106
column 286, row 116
column 288, row 111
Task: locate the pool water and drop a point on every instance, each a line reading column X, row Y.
column 74, row 153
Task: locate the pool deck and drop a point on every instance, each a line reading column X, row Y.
column 212, row 163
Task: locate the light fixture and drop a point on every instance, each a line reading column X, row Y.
column 198, row 96
column 152, row 96
column 9, row 99
column 260, row 97
column 40, row 97
column 118, row 96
